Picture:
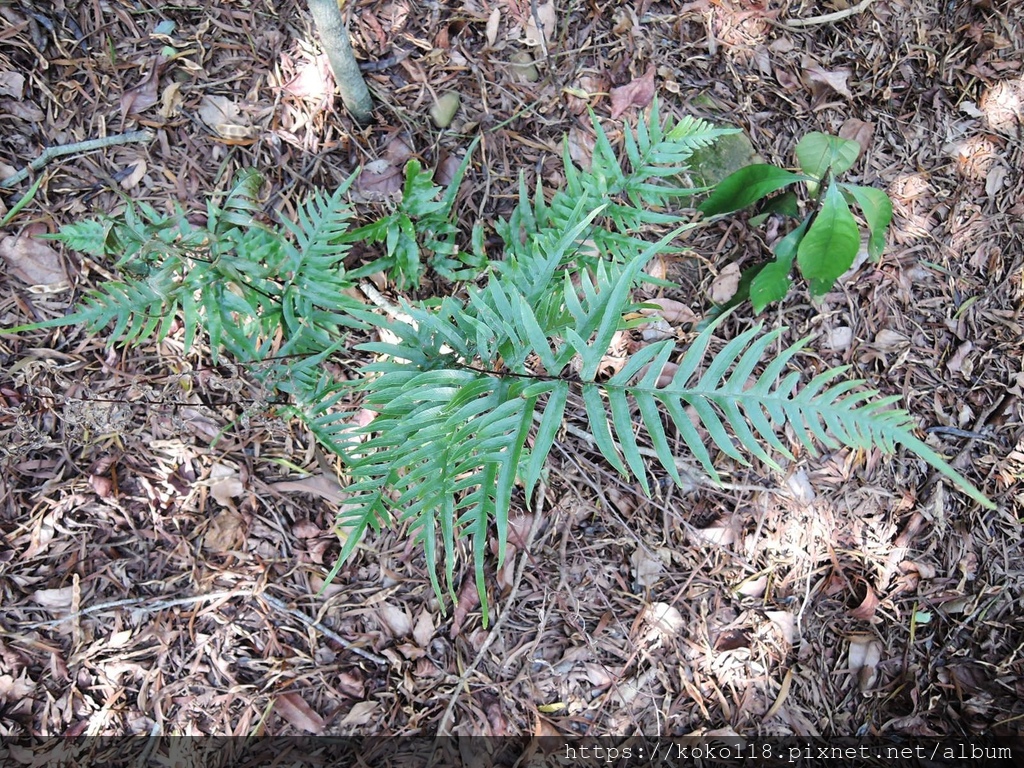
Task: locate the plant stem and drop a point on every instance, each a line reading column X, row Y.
column 334, row 38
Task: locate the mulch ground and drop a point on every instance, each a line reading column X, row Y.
column 164, row 548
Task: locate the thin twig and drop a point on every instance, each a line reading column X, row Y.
column 326, row 631
column 828, row 18
column 145, row 605
column 51, row 153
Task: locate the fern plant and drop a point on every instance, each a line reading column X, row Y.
column 470, row 391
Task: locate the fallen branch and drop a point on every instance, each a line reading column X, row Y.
column 828, row 18
column 51, row 153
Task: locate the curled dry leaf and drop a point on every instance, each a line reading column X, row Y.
column 468, row 601
column 298, row 713
column 647, row 566
column 724, row 286
column 637, row 93
column 864, row 657
column 33, row 262
column 866, row 610
column 493, row 22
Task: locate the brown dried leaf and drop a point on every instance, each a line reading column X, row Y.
column 866, row 610
column 137, row 100
column 865, row 654
column 14, row 690
column 361, row 713
column 724, row 286
column 468, row 601
column 379, row 180
column 226, row 532
column 674, row 312
column 296, row 711
column 313, row 80
column 319, row 485
column 12, row 84
column 396, row 619
column 647, row 566
column 637, row 93
column 33, row 262
column 423, row 632
column 820, row 81
column 859, row 131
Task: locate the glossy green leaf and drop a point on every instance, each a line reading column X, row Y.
column 877, row 209
column 830, row 245
column 747, row 186
column 817, row 153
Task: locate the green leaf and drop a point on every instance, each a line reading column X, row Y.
column 877, row 209
column 771, row 284
column 746, row 186
column 817, row 153
column 830, row 245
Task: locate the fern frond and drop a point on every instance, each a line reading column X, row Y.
column 742, row 413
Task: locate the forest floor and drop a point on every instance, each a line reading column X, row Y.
column 164, row 550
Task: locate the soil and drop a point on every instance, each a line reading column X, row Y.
column 164, row 551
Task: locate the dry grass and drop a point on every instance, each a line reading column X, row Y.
column 154, row 579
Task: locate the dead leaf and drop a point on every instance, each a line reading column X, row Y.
column 137, row 100
column 423, row 632
column 171, row 100
column 647, row 566
column 493, row 21
column 664, row 621
column 33, row 262
column 674, row 312
column 54, row 599
column 319, row 485
column 820, row 81
column 865, row 654
column 858, row 130
column 12, row 84
column 226, row 532
column 298, row 713
column 468, row 601
column 379, row 180
column 637, row 93
column 724, row 286
column 361, row 713
column 396, row 619
column 534, row 35
column 581, row 146
column 959, row 361
column 866, row 610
